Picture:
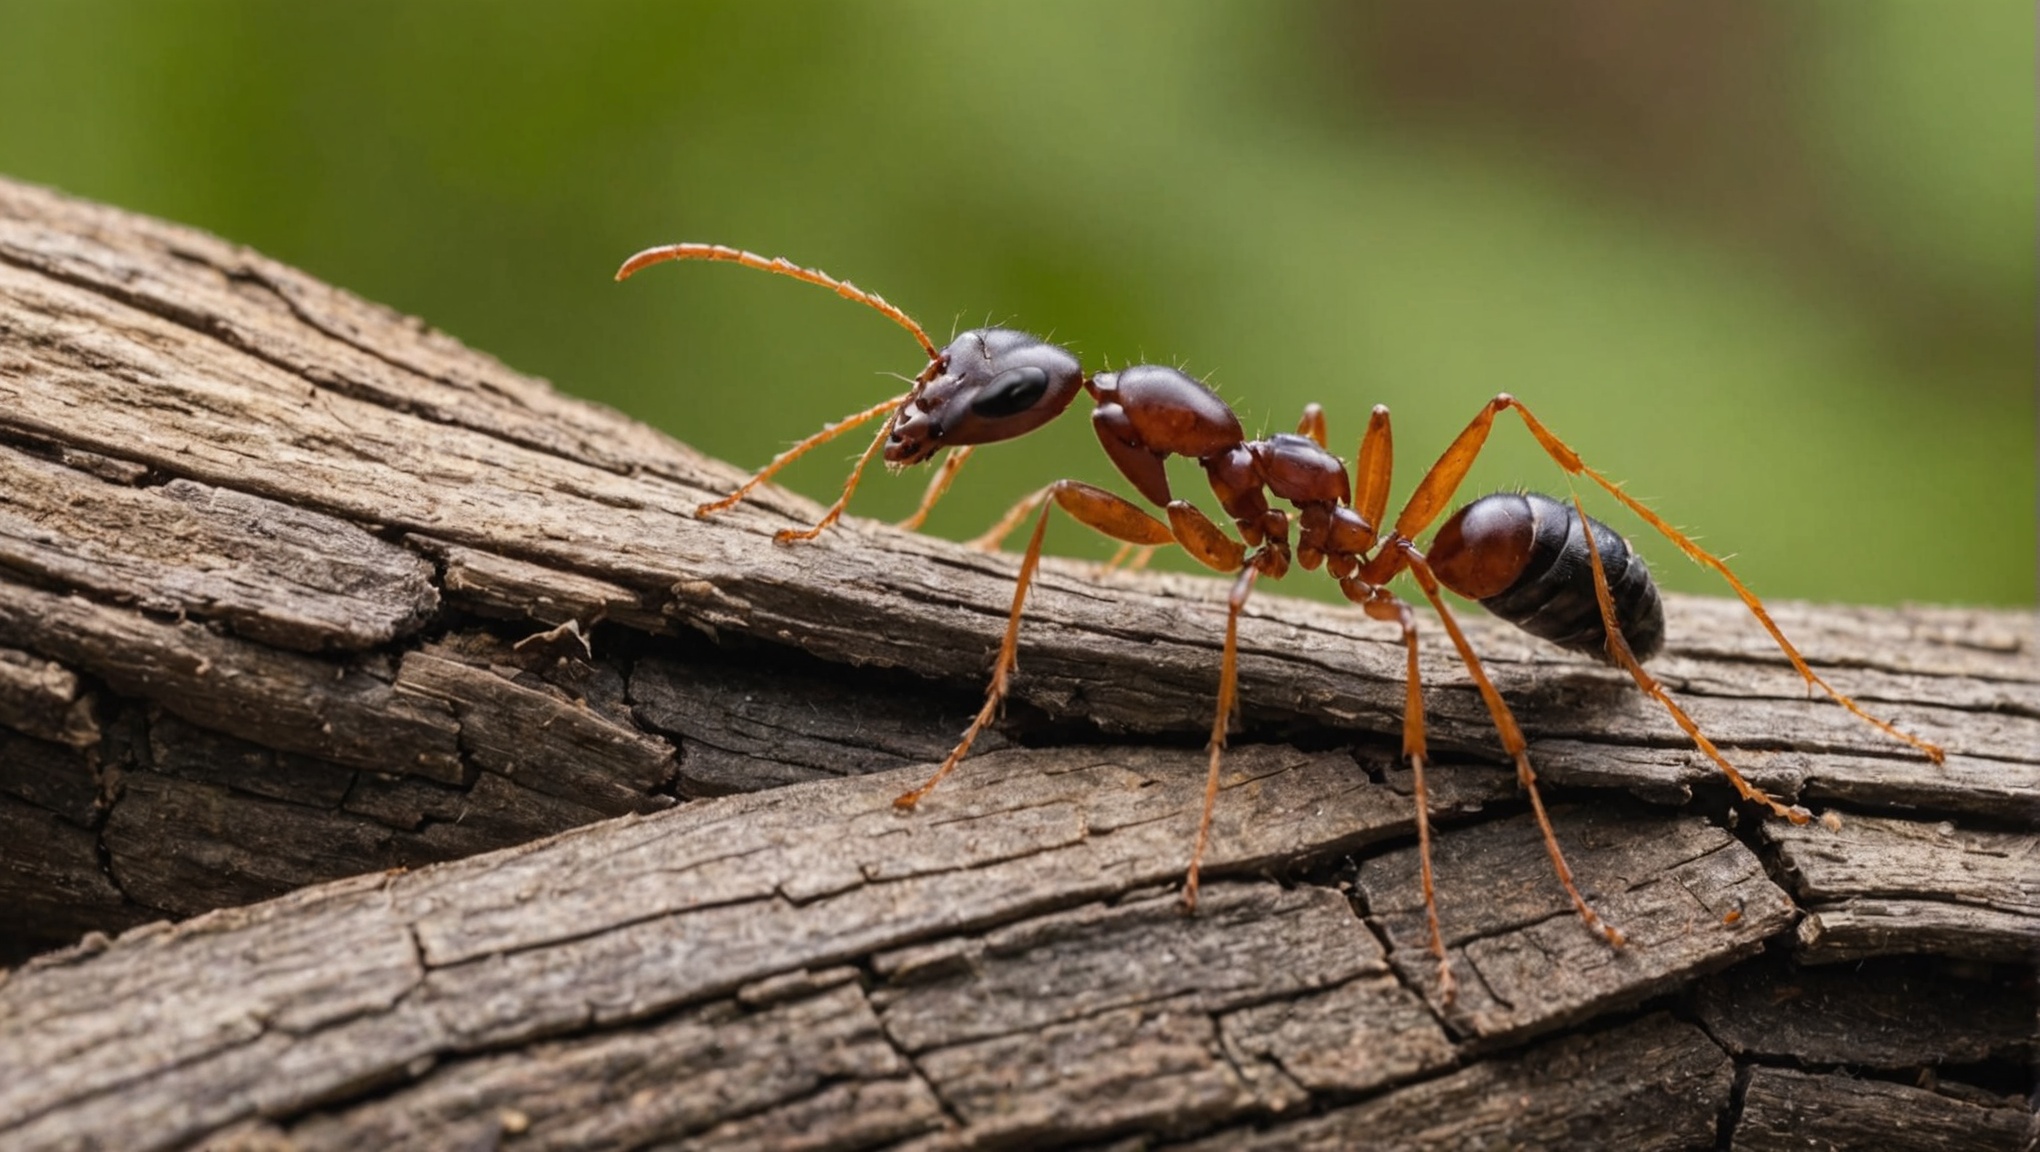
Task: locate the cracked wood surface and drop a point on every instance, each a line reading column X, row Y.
column 292, row 589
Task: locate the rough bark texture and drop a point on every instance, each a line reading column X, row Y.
column 298, row 598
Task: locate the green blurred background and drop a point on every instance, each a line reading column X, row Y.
column 1773, row 265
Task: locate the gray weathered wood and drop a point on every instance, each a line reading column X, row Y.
column 1654, row 1084
column 1784, row 1109
column 456, row 454
column 269, row 571
column 753, row 1070
column 1879, row 885
column 1686, row 894
column 1027, row 1007
column 750, row 727
column 1889, row 1014
column 348, row 713
column 640, row 917
column 43, row 699
column 293, row 589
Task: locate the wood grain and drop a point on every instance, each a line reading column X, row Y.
column 571, row 813
column 1787, row 1109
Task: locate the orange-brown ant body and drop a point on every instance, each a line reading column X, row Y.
column 1540, row 563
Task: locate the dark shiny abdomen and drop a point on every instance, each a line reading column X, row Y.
column 1554, row 596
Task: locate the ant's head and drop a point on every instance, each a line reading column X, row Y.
column 989, row 384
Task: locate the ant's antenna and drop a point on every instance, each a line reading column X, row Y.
column 783, row 267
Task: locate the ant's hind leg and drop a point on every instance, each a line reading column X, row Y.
column 1512, row 741
column 1571, row 462
column 1618, row 650
column 1435, row 491
column 1091, row 506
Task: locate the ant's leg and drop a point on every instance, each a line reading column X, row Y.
column 1436, row 489
column 1204, row 540
column 1312, row 424
column 1571, row 462
column 1379, row 604
column 1373, row 468
column 1133, row 557
column 1130, row 557
column 1512, row 739
column 799, row 450
column 944, row 476
column 1618, row 650
column 1095, row 508
column 835, row 511
column 1228, row 692
column 990, row 539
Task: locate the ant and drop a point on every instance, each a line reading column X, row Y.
column 1542, row 564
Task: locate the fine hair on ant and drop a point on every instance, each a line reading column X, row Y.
column 1540, row 563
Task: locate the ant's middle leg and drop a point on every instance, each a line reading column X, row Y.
column 1129, row 556
column 1380, row 604
column 1228, row 693
column 1091, row 506
column 1618, row 649
column 1187, row 526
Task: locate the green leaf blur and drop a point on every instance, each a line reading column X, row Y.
column 1772, row 265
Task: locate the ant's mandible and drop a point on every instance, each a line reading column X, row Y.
column 1519, row 555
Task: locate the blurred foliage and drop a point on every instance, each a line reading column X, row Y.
column 1772, row 264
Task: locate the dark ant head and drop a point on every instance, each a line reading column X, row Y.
column 991, row 384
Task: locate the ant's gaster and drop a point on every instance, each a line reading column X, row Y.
column 1519, row 555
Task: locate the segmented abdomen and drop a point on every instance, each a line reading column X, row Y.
column 1533, row 548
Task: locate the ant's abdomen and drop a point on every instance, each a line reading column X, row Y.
column 1524, row 557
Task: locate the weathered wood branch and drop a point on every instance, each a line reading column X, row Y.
column 292, row 589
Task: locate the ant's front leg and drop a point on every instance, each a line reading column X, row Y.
column 1091, row 506
column 945, row 475
column 886, row 408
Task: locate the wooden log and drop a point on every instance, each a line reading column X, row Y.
column 293, row 589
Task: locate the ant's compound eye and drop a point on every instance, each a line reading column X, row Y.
column 1013, row 392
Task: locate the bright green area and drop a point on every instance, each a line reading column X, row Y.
column 1188, row 183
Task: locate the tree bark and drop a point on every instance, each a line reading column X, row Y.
column 300, row 600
